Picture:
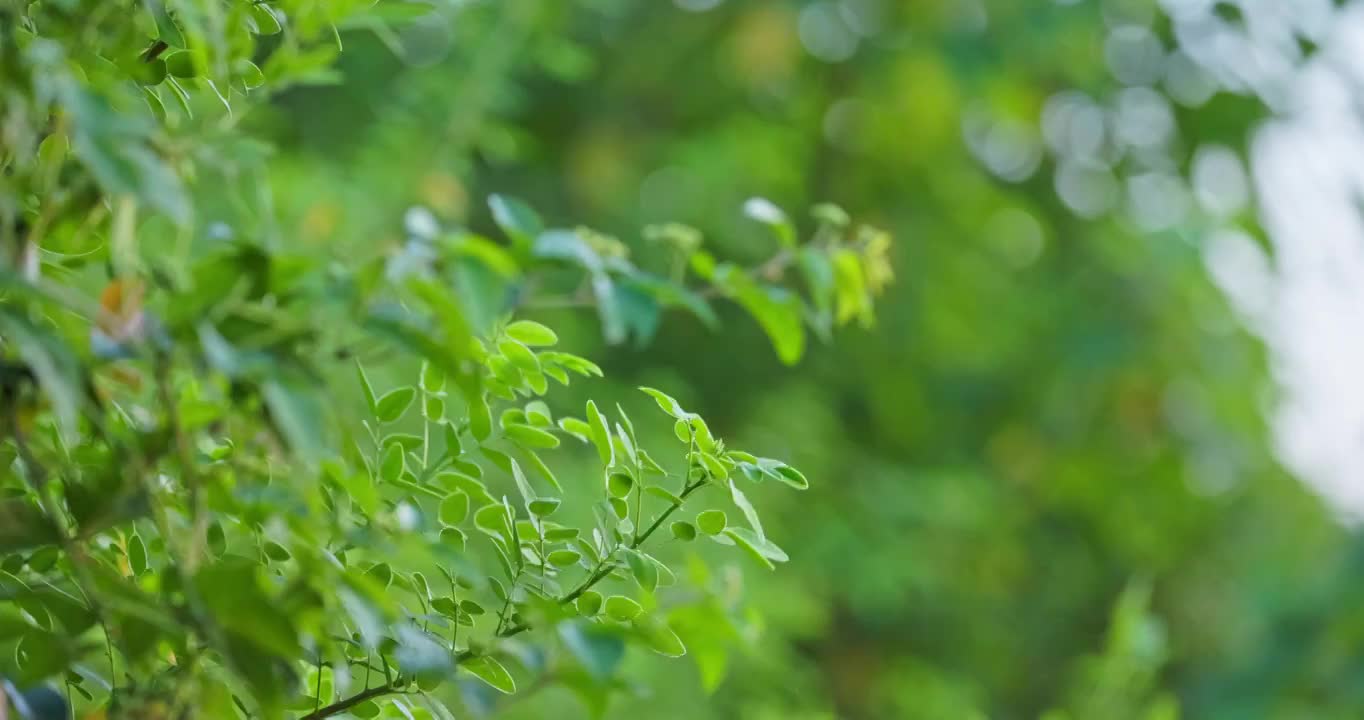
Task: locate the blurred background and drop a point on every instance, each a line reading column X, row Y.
column 1098, row 458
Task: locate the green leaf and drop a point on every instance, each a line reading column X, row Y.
column 392, row 465
column 359, row 488
column 394, row 403
column 521, row 224
column 432, row 379
column 41, row 655
column 746, row 507
column 714, row 467
column 166, row 29
column 646, row 574
column 490, row 671
column 776, row 309
column 756, row 468
column 683, row 531
column 234, row 596
column 544, row 507
column 520, row 356
column 555, row 533
column 666, row 402
column 659, row 637
column 251, row 75
column 540, row 467
column 13, row 624
column 711, row 522
column 454, row 509
column 453, row 537
column 564, row 558
column 601, row 434
column 626, row 444
column 217, row 539
column 531, row 436
column 761, row 549
column 624, row 609
column 433, row 408
column 137, row 555
column 296, row 414
column 538, row 414
column 701, row 433
column 266, row 20
column 619, row 484
column 532, row 333
column 407, row 441
column 577, row 428
column 276, row 552
column 663, row 493
column 480, row 418
column 492, row 519
column 831, row 215
column 596, row 647
column 589, row 603
column 420, row 655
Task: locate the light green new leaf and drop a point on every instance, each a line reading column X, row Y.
column 666, row 402
column 601, row 434
column 532, row 333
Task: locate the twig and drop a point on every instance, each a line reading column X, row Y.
column 606, row 568
column 341, row 706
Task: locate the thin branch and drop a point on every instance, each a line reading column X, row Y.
column 341, row 706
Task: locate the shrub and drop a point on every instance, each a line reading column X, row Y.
column 197, row 520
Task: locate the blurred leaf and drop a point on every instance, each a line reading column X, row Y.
column 596, row 647
column 659, row 637
column 763, row 211
column 516, row 219
column 777, row 310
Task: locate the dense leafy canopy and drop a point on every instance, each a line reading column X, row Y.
column 193, row 527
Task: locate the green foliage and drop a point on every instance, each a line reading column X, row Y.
column 1042, row 488
column 208, row 512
